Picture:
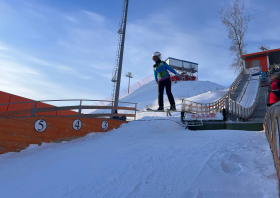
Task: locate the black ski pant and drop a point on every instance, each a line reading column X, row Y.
column 167, row 85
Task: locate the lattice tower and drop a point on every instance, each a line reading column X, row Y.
column 120, row 32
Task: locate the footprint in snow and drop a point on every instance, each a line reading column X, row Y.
column 230, row 168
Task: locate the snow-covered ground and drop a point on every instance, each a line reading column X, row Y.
column 154, row 156
column 209, row 96
column 146, row 97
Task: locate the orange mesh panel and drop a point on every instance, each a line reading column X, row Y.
column 15, row 99
column 43, row 105
column 4, row 98
column 67, row 112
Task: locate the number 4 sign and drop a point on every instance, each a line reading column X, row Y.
column 77, row 124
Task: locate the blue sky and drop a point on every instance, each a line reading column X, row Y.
column 66, row 49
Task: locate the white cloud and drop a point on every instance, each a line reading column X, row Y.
column 3, row 47
column 205, row 46
column 70, row 18
column 83, row 50
column 94, row 16
column 25, row 81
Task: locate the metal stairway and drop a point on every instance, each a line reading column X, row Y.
column 260, row 110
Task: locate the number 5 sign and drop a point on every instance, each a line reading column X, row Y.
column 40, row 125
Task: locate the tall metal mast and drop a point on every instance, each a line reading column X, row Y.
column 117, row 71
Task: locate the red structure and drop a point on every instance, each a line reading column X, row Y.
column 24, row 121
column 185, row 78
column 266, row 59
column 6, row 98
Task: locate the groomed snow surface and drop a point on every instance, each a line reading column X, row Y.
column 154, row 156
column 250, row 93
column 146, row 97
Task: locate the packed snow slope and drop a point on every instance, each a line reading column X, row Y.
column 154, row 156
column 250, row 93
column 147, row 95
column 156, row 159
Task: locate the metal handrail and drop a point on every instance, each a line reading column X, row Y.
column 236, row 111
column 33, row 110
column 218, row 104
column 64, row 100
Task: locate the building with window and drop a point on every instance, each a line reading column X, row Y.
column 262, row 61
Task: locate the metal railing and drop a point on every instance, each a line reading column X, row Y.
column 213, row 107
column 237, row 112
column 233, row 109
column 32, row 111
column 264, row 81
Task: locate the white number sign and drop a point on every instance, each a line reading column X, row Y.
column 40, row 125
column 77, row 124
column 104, row 125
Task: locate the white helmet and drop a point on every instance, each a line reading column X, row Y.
column 157, row 54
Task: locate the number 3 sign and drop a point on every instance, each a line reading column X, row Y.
column 40, row 125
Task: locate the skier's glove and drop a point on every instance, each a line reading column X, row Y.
column 180, row 77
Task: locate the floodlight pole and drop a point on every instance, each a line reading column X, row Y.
column 129, row 75
column 120, row 60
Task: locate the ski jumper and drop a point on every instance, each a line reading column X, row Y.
column 162, row 77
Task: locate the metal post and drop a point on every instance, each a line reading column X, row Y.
column 33, row 111
column 128, row 85
column 135, row 111
column 112, row 112
column 80, row 109
column 234, row 108
column 227, row 106
column 129, row 75
column 121, row 60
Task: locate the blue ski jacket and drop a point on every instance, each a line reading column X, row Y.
column 160, row 71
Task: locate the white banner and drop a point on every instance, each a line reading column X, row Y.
column 255, row 70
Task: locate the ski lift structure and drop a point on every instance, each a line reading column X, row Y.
column 188, row 70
